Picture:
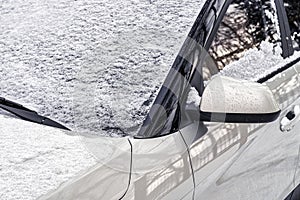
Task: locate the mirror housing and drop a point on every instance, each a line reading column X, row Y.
column 237, row 101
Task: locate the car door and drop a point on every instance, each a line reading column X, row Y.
column 293, row 22
column 161, row 169
column 296, row 129
column 248, row 161
column 264, row 168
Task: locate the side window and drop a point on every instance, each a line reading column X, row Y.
column 293, row 12
column 248, row 32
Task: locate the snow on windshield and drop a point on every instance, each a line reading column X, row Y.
column 93, row 65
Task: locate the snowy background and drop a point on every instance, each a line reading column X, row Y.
column 95, row 65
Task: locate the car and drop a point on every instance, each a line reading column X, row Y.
column 225, row 123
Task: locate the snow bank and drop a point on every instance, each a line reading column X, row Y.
column 258, row 63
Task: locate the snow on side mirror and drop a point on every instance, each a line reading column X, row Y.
column 237, row 101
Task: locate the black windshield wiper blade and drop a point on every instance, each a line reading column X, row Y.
column 27, row 114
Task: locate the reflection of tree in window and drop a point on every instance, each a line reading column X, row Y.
column 245, row 25
column 293, row 12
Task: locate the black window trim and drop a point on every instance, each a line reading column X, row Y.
column 285, row 32
column 217, row 24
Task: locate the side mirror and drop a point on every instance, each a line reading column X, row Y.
column 237, row 101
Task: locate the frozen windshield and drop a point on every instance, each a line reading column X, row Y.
column 93, row 67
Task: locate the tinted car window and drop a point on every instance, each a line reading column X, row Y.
column 246, row 24
column 293, row 12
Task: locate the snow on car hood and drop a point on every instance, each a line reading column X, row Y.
column 36, row 160
column 108, row 179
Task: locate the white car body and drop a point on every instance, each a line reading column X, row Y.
column 203, row 159
column 231, row 161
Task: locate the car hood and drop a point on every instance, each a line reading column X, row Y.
column 60, row 164
column 108, row 179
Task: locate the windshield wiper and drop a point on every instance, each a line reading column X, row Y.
column 27, row 114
